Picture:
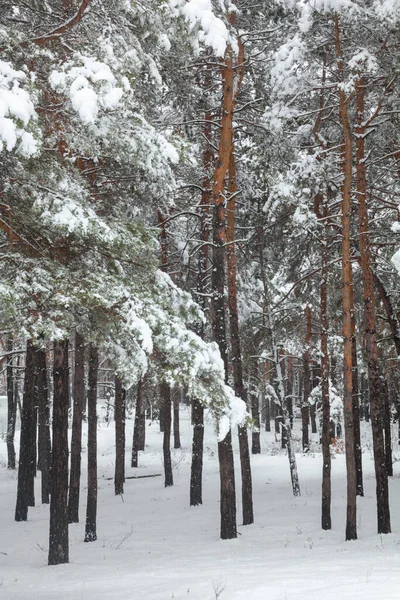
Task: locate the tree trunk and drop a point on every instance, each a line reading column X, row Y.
column 177, row 437
column 166, row 396
column 196, row 496
column 347, row 297
column 225, row 453
column 387, row 429
column 289, row 393
column 306, row 384
column 227, row 488
column 26, row 454
column 197, row 416
column 236, row 354
column 137, row 423
column 91, row 506
column 11, row 408
column 267, row 403
column 119, row 416
column 58, row 536
column 356, row 417
column 44, row 424
column 375, row 388
column 76, row 440
column 326, row 417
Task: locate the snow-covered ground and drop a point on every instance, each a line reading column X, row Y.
column 153, row 546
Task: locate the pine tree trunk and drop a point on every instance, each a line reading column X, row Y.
column 289, row 396
column 387, row 429
column 236, row 354
column 196, row 495
column 284, row 401
column 177, row 438
column 227, row 489
column 306, row 385
column 76, row 440
column 136, row 426
column 44, row 424
column 91, row 506
column 267, row 404
column 225, row 453
column 27, row 439
column 347, row 298
column 11, row 408
column 119, row 416
column 326, row 521
column 197, row 416
column 166, row 396
column 58, row 536
column 356, row 417
column 375, row 388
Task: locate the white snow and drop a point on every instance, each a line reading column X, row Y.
column 153, row 546
column 214, row 32
column 16, row 108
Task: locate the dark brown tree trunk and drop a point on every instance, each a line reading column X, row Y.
column 196, row 496
column 227, row 488
column 347, row 296
column 267, row 403
column 91, row 506
column 306, row 384
column 76, row 440
column 177, row 437
column 289, row 393
column 196, row 472
column 284, row 407
column 326, row 454
column 142, row 429
column 137, row 424
column 58, row 536
column 26, row 466
column 44, row 424
column 11, row 407
column 119, row 416
column 236, row 354
column 375, row 388
column 387, row 429
column 356, row 417
column 166, row 396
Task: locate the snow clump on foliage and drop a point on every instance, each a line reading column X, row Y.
column 16, row 109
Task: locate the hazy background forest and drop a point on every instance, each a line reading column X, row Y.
column 199, row 299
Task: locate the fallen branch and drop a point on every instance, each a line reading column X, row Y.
column 137, row 476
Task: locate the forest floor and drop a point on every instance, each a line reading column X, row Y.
column 152, row 546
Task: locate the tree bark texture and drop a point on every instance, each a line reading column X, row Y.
column 119, row 416
column 91, row 506
column 236, row 354
column 137, row 424
column 347, row 296
column 326, row 521
column 177, row 437
column 306, row 384
column 26, row 467
column 166, row 396
column 58, row 536
column 76, row 439
column 44, row 439
column 356, row 416
column 225, row 453
column 371, row 346
column 196, row 493
column 11, row 408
